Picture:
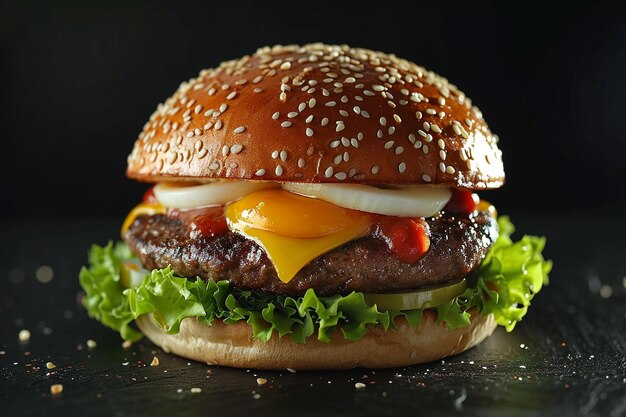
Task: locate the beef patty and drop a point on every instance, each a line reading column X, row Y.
column 457, row 246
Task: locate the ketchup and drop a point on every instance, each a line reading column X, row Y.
column 206, row 221
column 406, row 238
column 461, row 202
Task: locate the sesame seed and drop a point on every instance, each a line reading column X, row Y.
column 340, row 127
column 257, row 79
column 236, row 148
column 225, row 150
column 283, row 156
column 368, row 93
column 335, row 143
column 391, row 130
column 301, row 163
column 426, row 178
column 425, row 149
column 412, row 138
column 275, row 115
column 324, row 121
column 378, row 87
column 431, row 111
column 292, row 114
column 389, row 144
column 456, row 129
column 91, row 344
column 365, row 114
column 218, row 125
column 257, row 90
column 441, row 144
column 375, row 169
column 345, row 141
column 260, row 172
column 309, row 119
column 196, row 390
column 360, row 136
column 239, row 129
column 212, row 91
column 442, row 167
column 350, row 80
column 279, row 170
column 285, row 66
column 442, row 154
column 435, row 128
column 341, row 176
column 450, row 169
column 309, row 132
column 283, row 96
column 285, row 124
column 231, row 95
column 383, row 121
column 337, row 159
column 379, row 134
column 354, row 142
column 401, row 167
column 346, row 156
column 330, row 104
column 312, row 102
column 426, row 126
column 399, row 150
column 418, row 115
column 356, row 109
column 329, row 172
column 223, row 107
column 301, row 107
column 197, row 109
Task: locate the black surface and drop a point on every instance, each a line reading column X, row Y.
column 78, row 79
column 568, row 356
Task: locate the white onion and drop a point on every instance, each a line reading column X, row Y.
column 409, row 201
column 177, row 195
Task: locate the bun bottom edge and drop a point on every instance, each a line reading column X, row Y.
column 232, row 345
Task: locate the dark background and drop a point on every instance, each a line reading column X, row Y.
column 78, row 80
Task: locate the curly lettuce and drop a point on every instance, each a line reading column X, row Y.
column 504, row 285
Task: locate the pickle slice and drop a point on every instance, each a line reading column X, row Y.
column 425, row 298
column 131, row 274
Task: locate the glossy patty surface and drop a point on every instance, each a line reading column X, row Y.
column 457, row 246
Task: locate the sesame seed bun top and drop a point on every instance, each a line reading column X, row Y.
column 319, row 113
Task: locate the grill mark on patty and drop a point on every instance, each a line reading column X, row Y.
column 457, row 246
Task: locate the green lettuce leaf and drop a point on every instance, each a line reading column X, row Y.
column 504, row 284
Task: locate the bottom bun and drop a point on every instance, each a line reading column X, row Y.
column 233, row 345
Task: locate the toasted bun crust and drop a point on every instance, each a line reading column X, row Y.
column 319, row 113
column 233, row 345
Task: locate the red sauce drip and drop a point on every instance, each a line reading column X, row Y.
column 406, row 238
column 149, row 197
column 206, row 221
column 461, row 202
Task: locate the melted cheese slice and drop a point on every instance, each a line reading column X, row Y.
column 290, row 252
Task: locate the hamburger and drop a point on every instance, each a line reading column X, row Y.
column 315, row 207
